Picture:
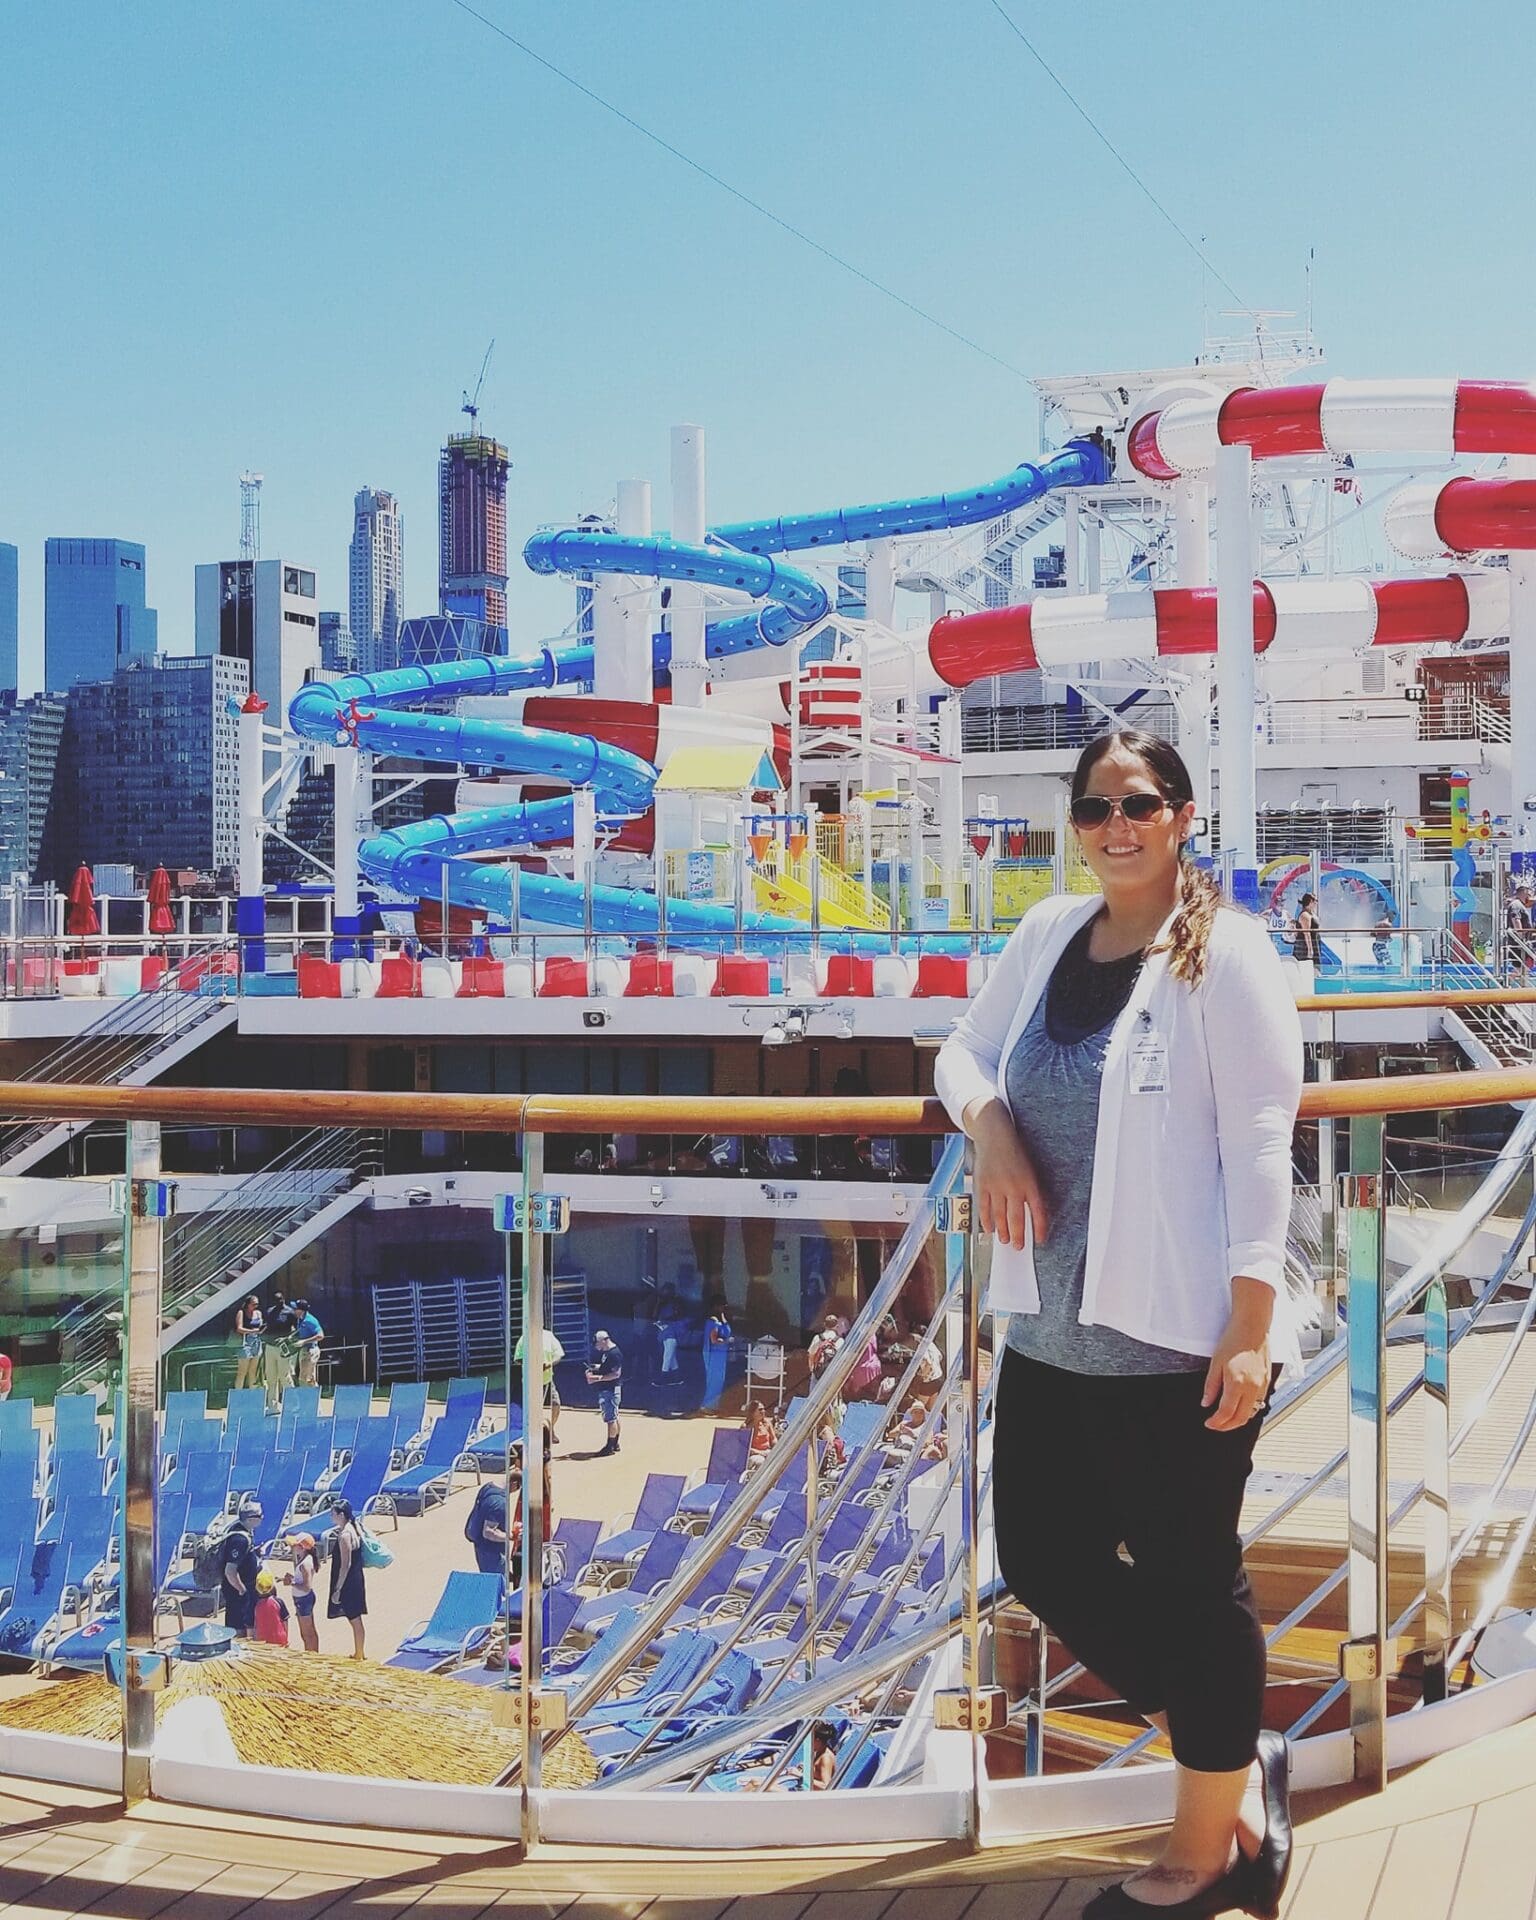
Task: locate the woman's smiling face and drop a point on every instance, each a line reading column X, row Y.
column 1130, row 852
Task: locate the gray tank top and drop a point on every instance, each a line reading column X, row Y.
column 1052, row 1086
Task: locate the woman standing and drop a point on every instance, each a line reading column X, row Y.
column 248, row 1324
column 349, row 1595
column 1130, row 1074
column 1307, row 940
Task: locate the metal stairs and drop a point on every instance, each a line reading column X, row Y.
column 212, row 1258
column 131, row 1045
column 1488, row 1036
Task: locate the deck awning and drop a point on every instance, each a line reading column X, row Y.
column 734, row 768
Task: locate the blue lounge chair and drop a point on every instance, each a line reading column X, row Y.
column 244, row 1403
column 626, row 1584
column 559, row 1606
column 206, row 1487
column 431, row 1478
column 408, row 1408
column 352, row 1403
column 183, row 1405
column 21, row 1459
column 277, row 1490
column 727, row 1463
column 466, row 1611
column 75, row 1476
column 466, row 1400
column 684, row 1657
column 301, row 1405
column 658, row 1503
column 15, row 1422
column 360, row 1482
column 36, row 1598
column 75, row 1425
column 570, row 1552
column 490, row 1451
column 195, row 1434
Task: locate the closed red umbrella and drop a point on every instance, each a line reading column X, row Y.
column 158, row 899
column 80, row 918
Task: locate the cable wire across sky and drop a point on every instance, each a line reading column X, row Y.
column 1114, row 152
column 736, row 193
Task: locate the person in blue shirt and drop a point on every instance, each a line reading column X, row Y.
column 308, row 1332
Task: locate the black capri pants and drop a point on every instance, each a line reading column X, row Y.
column 1086, row 1463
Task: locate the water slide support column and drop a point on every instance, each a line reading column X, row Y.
column 952, row 804
column 621, row 641
column 1522, row 699
column 687, row 608
column 1192, row 701
column 353, row 769
column 1235, row 670
column 251, row 905
column 880, row 583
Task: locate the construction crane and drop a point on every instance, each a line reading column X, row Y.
column 471, row 404
column 250, row 516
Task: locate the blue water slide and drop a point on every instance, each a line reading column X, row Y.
column 1080, row 463
column 421, row 858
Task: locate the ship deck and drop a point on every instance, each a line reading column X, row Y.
column 1453, row 1839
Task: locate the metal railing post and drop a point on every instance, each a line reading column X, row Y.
column 534, row 1247
column 962, row 1242
column 148, row 1203
column 1437, row 1489
column 1364, row 1654
column 1327, row 1191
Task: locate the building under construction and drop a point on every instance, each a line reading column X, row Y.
column 472, row 509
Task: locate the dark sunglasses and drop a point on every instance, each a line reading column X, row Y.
column 1094, row 809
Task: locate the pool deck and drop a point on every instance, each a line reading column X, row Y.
column 1453, row 1839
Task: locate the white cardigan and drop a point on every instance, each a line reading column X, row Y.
column 1191, row 1184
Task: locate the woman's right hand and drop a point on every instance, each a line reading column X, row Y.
column 1008, row 1195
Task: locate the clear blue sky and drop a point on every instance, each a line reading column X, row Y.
column 280, row 236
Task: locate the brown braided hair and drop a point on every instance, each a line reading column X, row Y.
column 1189, row 936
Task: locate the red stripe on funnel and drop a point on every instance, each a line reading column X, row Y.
column 631, row 724
column 1473, row 514
column 1272, row 420
column 1495, row 416
column 1410, row 613
column 1141, row 449
column 1186, row 619
column 967, row 647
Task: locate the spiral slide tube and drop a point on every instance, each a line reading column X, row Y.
column 422, row 858
column 1338, row 416
column 1290, row 617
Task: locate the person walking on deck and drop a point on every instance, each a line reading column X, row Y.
column 1130, row 1074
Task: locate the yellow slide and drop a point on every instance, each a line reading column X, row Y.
column 783, row 885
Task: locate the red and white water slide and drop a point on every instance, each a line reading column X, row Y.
column 1297, row 616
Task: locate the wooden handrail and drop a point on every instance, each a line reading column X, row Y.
column 659, row 1113
column 1453, row 997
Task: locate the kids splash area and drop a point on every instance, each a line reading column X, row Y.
column 507, row 1244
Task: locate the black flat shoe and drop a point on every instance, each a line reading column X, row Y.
column 1226, row 1895
column 1270, row 1868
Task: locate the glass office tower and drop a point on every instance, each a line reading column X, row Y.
column 94, row 616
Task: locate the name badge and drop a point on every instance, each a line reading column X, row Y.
column 1149, row 1064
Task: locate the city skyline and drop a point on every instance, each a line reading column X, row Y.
column 814, row 388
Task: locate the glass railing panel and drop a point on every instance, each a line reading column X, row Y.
column 63, row 1490
column 772, row 1609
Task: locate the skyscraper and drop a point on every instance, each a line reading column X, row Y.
column 8, row 617
column 378, row 578
column 30, row 733
column 263, row 612
column 337, row 654
column 472, row 517
column 94, row 616
column 149, row 758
